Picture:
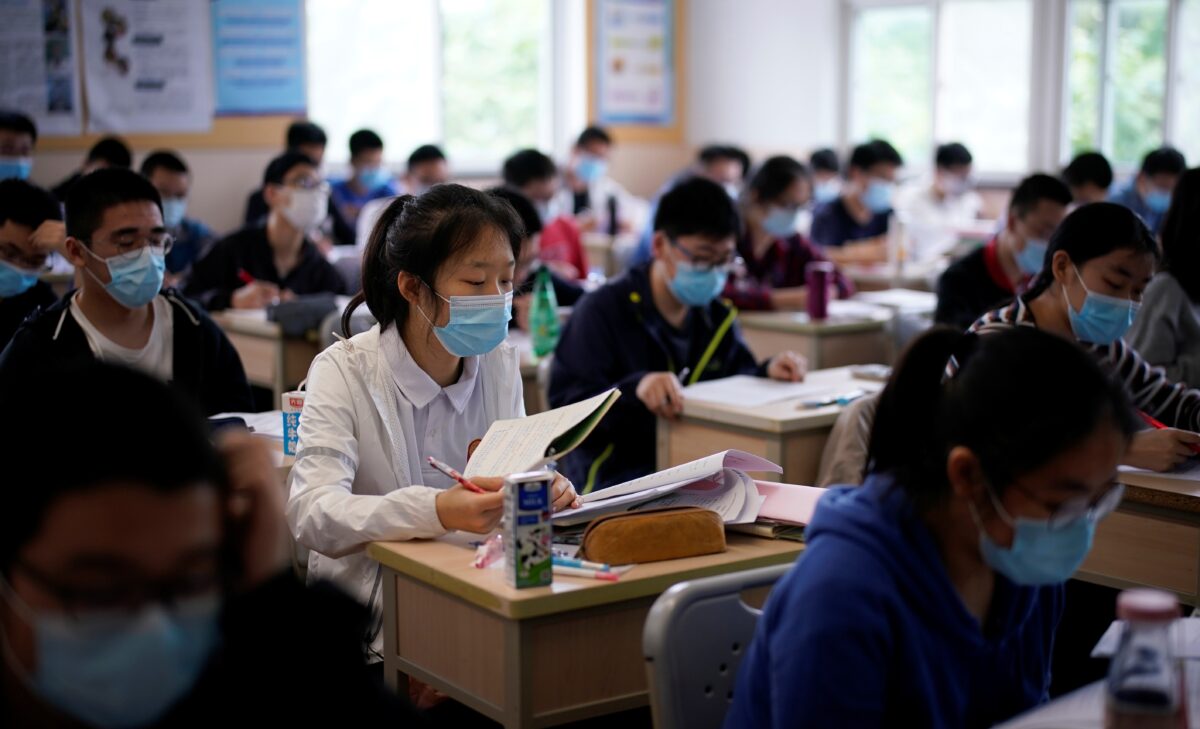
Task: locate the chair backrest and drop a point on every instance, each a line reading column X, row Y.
column 695, row 637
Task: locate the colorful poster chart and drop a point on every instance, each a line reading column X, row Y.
column 259, row 52
column 635, row 62
column 38, row 67
column 147, row 65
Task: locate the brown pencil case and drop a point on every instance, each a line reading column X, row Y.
column 650, row 536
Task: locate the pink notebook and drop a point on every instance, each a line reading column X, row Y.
column 788, row 503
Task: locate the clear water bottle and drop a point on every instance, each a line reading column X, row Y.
column 1145, row 680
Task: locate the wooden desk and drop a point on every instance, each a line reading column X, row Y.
column 534, row 657
column 781, row 432
column 879, row 276
column 854, row 333
column 270, row 359
column 1152, row 539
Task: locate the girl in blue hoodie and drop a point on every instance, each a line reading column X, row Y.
column 930, row 595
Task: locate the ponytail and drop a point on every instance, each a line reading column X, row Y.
column 1017, row 399
column 384, row 305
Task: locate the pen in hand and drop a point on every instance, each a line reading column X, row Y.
column 444, row 468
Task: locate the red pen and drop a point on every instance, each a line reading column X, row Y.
column 245, row 277
column 1153, row 423
column 455, row 475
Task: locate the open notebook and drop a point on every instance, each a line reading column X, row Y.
column 526, row 444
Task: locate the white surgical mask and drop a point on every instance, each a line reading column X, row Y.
column 307, row 208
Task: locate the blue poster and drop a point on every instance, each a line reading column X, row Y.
column 635, row 62
column 258, row 53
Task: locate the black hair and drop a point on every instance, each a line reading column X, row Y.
column 364, row 140
column 26, row 204
column 713, row 152
column 697, row 206
column 522, row 206
column 15, row 121
column 164, row 159
column 134, row 430
column 278, row 168
column 304, row 132
column 98, row 191
column 419, row 234
column 1034, row 189
column 1088, row 167
column 1092, row 231
column 593, row 133
column 1163, row 161
column 877, row 151
column 953, row 154
column 775, row 176
column 1180, row 234
column 113, row 151
column 824, row 160
column 527, row 165
column 425, row 153
column 1001, row 379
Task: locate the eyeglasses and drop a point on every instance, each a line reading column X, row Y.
column 702, row 265
column 127, row 242
column 14, row 257
column 308, row 183
column 121, row 596
column 1094, row 508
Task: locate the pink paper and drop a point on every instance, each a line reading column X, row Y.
column 787, row 502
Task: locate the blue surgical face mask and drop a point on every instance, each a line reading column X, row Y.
column 373, row 178
column 135, row 277
column 15, row 281
column 1103, row 319
column 477, row 325
column 119, row 669
column 781, row 222
column 173, row 210
column 828, row 190
column 878, row 196
column 1042, row 553
column 590, row 168
column 1032, row 256
column 18, row 167
column 697, row 286
column 1158, row 200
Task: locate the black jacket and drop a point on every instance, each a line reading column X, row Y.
column 615, row 337
column 205, row 364
column 14, row 310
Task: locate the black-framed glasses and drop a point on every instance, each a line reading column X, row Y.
column 120, row 595
column 35, row 264
column 705, row 265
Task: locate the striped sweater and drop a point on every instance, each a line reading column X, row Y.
column 1172, row 403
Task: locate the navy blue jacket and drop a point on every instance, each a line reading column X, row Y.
column 615, row 337
column 205, row 366
column 867, row 630
column 833, row 226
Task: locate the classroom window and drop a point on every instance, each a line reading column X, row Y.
column 467, row 74
column 1185, row 93
column 933, row 72
column 1117, row 77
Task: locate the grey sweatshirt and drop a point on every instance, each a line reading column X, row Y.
column 1166, row 332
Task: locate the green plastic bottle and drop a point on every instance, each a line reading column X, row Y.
column 543, row 314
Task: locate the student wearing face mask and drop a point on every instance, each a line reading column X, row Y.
column 1098, row 265
column 369, row 180
column 826, row 174
column 427, row 380
column 947, row 202
column 118, row 243
column 560, row 245
column 18, row 137
column 591, row 194
column 1089, row 177
column 23, row 209
column 930, row 596
column 264, row 264
column 427, row 166
column 772, row 274
column 145, row 580
column 993, row 274
column 171, row 177
column 861, row 211
column 1149, row 193
column 658, row 327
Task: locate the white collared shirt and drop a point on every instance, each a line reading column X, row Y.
column 445, row 419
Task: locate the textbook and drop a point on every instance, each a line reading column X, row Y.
column 717, row 482
column 527, row 444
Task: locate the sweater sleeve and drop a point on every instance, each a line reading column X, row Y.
column 1151, row 390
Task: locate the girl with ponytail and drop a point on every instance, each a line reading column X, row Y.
column 427, row 380
column 930, row 595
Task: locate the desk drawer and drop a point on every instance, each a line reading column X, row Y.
column 1145, row 550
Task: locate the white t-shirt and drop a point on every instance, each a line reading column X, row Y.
column 156, row 358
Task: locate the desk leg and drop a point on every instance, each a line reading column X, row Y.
column 393, row 677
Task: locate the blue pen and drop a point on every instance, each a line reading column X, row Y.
column 580, row 563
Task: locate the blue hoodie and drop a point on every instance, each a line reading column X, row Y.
column 867, row 630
